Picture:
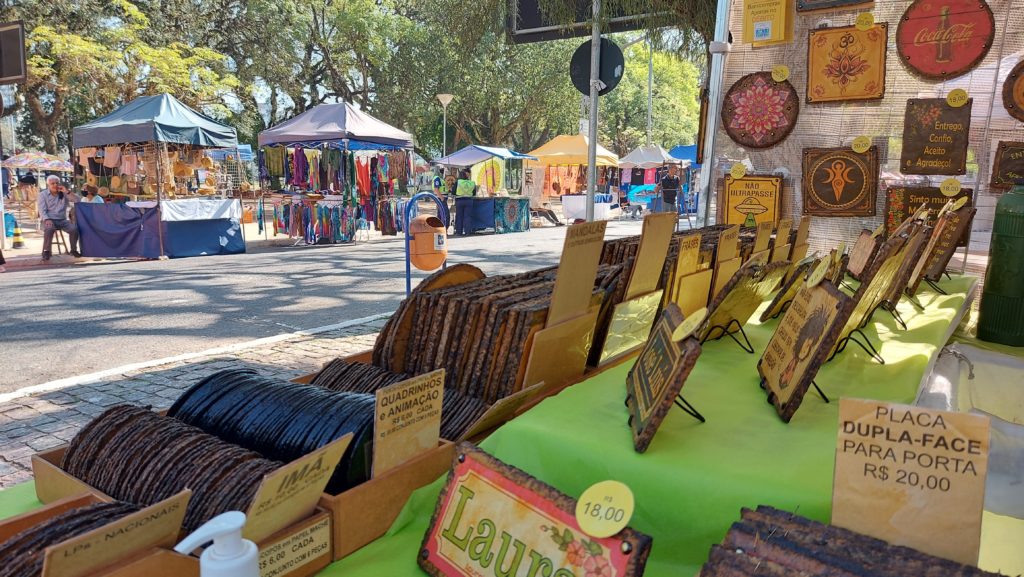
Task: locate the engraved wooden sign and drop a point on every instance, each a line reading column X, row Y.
column 846, row 63
column 902, row 201
column 1013, row 92
column 935, row 137
column 492, row 518
column 957, row 225
column 752, row 200
column 658, row 376
column 943, row 39
column 1008, row 164
column 740, row 297
column 862, row 254
column 839, row 181
column 759, row 112
column 801, row 343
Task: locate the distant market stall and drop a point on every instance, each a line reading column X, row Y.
column 497, row 204
column 148, row 161
column 334, row 169
column 643, row 169
column 562, row 167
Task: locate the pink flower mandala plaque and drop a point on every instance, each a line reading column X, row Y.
column 759, row 112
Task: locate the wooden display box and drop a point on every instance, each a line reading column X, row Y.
column 152, row 562
column 307, row 543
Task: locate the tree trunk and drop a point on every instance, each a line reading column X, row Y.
column 47, row 122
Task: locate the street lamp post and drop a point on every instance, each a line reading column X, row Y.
column 445, row 100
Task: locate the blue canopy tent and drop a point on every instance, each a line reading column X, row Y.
column 685, row 152
column 188, row 228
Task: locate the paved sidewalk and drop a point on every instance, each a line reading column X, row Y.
column 44, row 420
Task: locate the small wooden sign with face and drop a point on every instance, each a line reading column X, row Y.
column 846, row 63
column 492, row 518
column 1008, row 164
column 801, row 343
column 658, row 376
column 935, row 137
column 840, row 182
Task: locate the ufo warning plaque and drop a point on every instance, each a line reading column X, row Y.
column 752, row 199
column 840, row 182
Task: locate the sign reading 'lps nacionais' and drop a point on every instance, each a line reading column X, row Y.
column 493, row 519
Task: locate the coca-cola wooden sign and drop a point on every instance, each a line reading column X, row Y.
column 943, row 39
column 1013, row 92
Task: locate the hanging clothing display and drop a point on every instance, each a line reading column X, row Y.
column 273, row 159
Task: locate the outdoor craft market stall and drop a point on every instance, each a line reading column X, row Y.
column 334, row 169
column 563, row 161
column 163, row 195
column 498, row 204
column 643, row 169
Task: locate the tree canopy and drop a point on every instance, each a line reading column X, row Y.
column 255, row 63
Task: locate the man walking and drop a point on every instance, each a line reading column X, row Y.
column 53, row 210
column 669, row 189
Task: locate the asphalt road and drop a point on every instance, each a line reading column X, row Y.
column 61, row 322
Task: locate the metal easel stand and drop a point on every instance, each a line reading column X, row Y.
column 935, row 286
column 820, row 392
column 442, row 213
column 782, row 309
column 688, row 408
column 866, row 346
column 896, row 315
column 745, row 345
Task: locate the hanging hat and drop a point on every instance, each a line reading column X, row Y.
column 103, row 191
column 245, row 187
column 90, row 178
column 207, row 162
column 207, row 190
column 182, row 169
column 115, row 182
column 150, row 188
column 211, row 180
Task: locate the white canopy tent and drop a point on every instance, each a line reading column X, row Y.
column 651, row 156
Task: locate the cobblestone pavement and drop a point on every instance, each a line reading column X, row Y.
column 45, row 420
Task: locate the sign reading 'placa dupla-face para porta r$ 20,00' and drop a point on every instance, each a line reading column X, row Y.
column 493, row 519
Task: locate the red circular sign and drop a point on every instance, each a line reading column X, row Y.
column 942, row 39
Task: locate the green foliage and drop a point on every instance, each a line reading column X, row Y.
column 623, row 112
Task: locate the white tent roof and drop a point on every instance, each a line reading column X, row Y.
column 651, row 156
column 335, row 122
column 475, row 153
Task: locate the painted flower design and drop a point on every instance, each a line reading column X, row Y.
column 760, row 109
column 845, row 64
column 598, row 567
column 576, row 553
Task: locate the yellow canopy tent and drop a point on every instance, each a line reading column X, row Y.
column 570, row 149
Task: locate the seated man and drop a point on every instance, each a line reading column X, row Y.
column 53, row 210
column 548, row 214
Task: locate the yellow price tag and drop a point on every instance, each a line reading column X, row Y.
column 818, row 274
column 950, row 187
column 960, row 202
column 780, row 73
column 689, row 325
column 604, row 509
column 957, row 97
column 861, row 144
column 865, row 20
column 738, row 170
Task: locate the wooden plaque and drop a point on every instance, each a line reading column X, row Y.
column 863, row 253
column 489, row 513
column 943, row 39
column 877, row 278
column 846, row 63
column 812, row 5
column 658, row 376
column 1007, row 164
column 741, row 296
column 839, row 181
column 752, row 200
column 902, row 201
column 1013, row 92
column 800, row 344
column 913, row 253
column 958, row 225
column 912, row 476
column 792, row 285
column 935, row 137
column 759, row 112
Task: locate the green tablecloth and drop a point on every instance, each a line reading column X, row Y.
column 694, row 478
